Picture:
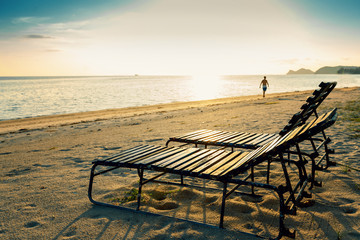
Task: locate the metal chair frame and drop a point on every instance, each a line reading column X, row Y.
column 222, row 166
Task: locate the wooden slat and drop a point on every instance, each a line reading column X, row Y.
column 248, row 139
column 228, row 165
column 187, row 135
column 175, row 158
column 215, row 135
column 267, row 140
column 202, row 136
column 223, row 135
column 227, row 136
column 184, row 135
column 260, row 138
column 234, row 138
column 200, row 168
column 315, row 122
column 210, row 154
column 142, row 152
column 251, row 155
column 292, row 134
column 122, row 152
column 178, row 165
column 142, row 155
column 218, row 164
column 159, row 156
column 203, row 160
column 133, row 152
column 241, row 138
column 323, row 93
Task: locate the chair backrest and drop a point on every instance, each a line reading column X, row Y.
column 309, row 108
column 282, row 143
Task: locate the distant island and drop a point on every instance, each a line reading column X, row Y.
column 301, row 71
column 328, row 70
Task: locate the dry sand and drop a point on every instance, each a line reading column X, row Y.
column 45, row 165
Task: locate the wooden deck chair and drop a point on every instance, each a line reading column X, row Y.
column 254, row 140
column 218, row 165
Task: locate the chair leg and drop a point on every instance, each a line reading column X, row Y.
column 283, row 231
column 313, row 181
column 92, row 175
column 301, row 164
column 268, row 172
column 253, row 180
column 289, row 156
column 327, row 152
column 141, row 176
column 222, row 212
column 287, row 179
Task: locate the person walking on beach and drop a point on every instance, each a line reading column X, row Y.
column 265, row 85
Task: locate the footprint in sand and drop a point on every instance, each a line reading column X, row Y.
column 354, row 235
column 71, row 232
column 5, row 153
column 154, row 140
column 186, row 194
column 35, row 150
column 43, row 165
column 158, row 195
column 159, row 199
column 31, row 224
column 98, row 216
column 110, row 148
column 211, row 199
column 270, row 202
column 263, row 172
column 349, row 209
column 166, row 206
column 239, row 207
column 347, row 200
column 77, row 160
column 65, row 150
column 163, row 236
column 18, row 171
column 28, row 208
column 249, row 198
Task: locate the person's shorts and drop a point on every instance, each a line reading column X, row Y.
column 264, row 88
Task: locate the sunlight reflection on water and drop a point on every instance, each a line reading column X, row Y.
column 22, row 97
column 205, row 87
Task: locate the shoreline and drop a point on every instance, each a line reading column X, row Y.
column 40, row 122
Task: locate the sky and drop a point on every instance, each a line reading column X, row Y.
column 171, row 37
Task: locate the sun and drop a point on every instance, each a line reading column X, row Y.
column 205, row 86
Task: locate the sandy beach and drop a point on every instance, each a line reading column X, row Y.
column 45, row 166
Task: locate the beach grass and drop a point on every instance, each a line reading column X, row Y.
column 350, row 113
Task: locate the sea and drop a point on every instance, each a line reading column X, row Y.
column 24, row 97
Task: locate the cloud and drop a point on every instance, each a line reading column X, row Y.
column 61, row 29
column 29, row 20
column 287, row 61
column 52, row 50
column 36, row 36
